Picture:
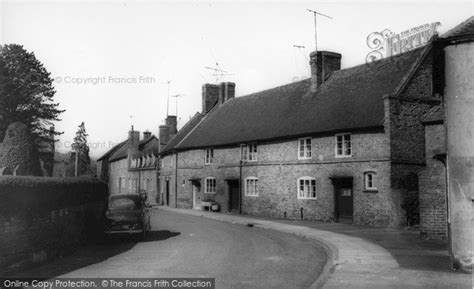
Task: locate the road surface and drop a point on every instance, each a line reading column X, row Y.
column 237, row 256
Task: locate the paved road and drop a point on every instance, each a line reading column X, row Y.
column 185, row 246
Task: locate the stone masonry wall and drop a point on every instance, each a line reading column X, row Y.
column 278, row 169
column 407, row 133
column 432, row 182
column 133, row 181
column 407, row 144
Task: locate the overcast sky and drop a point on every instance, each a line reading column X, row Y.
column 126, row 52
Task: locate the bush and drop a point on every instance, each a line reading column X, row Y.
column 46, row 194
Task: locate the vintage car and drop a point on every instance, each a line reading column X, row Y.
column 127, row 214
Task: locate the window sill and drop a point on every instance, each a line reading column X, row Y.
column 343, row 156
column 371, row 191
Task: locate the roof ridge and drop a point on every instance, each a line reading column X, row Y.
column 457, row 27
column 385, row 59
column 269, row 89
column 145, row 141
column 197, row 124
column 196, row 116
column 416, row 64
column 112, row 150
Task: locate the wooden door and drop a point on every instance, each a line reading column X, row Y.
column 343, row 199
column 234, row 195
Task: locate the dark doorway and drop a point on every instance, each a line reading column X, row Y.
column 343, row 200
column 234, row 195
column 167, row 192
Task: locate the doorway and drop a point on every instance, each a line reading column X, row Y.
column 343, row 200
column 167, row 191
column 234, row 195
column 196, row 194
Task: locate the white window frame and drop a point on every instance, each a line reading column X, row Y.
column 305, row 148
column 369, row 177
column 209, row 157
column 344, row 145
column 251, row 187
column 312, row 186
column 249, row 152
column 207, row 187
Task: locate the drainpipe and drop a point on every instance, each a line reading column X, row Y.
column 139, row 181
column 240, row 181
column 176, row 182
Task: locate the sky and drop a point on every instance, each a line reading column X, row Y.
column 114, row 63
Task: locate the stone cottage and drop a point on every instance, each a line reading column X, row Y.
column 344, row 145
column 130, row 166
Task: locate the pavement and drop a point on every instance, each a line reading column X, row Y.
column 364, row 257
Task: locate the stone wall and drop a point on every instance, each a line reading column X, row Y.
column 432, row 180
column 405, row 115
column 407, row 143
column 119, row 169
column 133, row 180
column 278, row 169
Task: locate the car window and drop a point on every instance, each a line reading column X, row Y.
column 122, row 204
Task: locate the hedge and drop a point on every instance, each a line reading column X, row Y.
column 46, row 193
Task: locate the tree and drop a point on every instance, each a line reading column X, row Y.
column 81, row 148
column 26, row 92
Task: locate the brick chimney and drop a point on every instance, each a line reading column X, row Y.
column 146, row 135
column 172, row 122
column 226, row 91
column 133, row 141
column 210, row 95
column 164, row 136
column 323, row 64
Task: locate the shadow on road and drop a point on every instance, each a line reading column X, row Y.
column 88, row 255
column 160, row 235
